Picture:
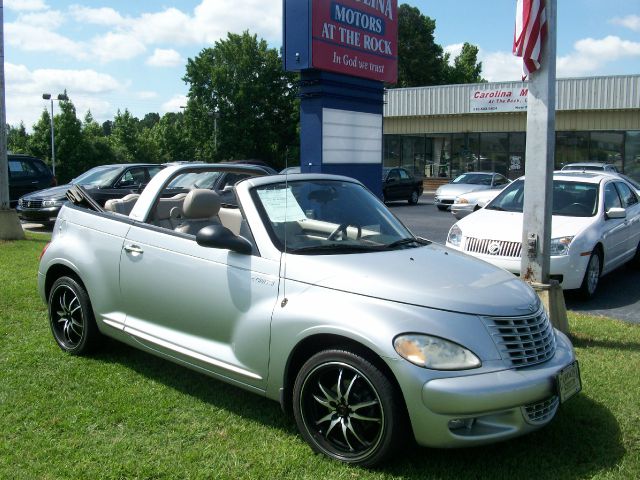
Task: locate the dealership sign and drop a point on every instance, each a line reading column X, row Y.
column 499, row 100
column 351, row 37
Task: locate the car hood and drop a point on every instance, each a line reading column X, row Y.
column 497, row 225
column 53, row 193
column 431, row 276
column 454, row 189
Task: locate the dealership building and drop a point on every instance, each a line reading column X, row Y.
column 440, row 132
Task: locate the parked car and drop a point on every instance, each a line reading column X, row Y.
column 307, row 294
column 103, row 183
column 469, row 202
column 590, row 167
column 400, row 184
column 595, row 229
column 27, row 174
column 289, row 170
column 467, row 182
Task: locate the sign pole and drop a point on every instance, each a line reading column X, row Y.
column 10, row 228
column 539, row 166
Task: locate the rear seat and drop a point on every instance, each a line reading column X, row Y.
column 123, row 205
column 168, row 212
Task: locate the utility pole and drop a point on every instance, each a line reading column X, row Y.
column 538, row 189
column 10, row 228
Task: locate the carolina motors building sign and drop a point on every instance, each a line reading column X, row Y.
column 499, row 100
column 351, row 37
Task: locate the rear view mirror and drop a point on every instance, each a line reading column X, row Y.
column 616, row 213
column 217, row 236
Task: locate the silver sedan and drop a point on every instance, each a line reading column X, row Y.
column 467, row 182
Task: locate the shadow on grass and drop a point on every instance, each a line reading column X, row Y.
column 579, row 342
column 583, row 440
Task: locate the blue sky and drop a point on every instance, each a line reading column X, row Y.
column 116, row 54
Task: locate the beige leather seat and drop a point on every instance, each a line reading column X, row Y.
column 168, row 212
column 200, row 209
column 122, row 205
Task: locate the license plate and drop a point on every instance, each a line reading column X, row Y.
column 568, row 381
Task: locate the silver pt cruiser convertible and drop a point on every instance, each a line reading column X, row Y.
column 308, row 291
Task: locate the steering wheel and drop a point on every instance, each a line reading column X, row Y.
column 342, row 228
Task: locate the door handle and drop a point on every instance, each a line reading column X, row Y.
column 133, row 249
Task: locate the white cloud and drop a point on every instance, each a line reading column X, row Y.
column 49, row 20
column 85, row 88
column 590, row 55
column 165, row 58
column 500, row 66
column 116, row 46
column 25, row 5
column 146, row 95
column 453, row 51
column 97, row 16
column 36, row 39
column 174, row 104
column 631, row 22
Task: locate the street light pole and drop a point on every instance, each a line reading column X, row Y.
column 47, row 96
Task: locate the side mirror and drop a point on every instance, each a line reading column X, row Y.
column 616, row 213
column 217, row 236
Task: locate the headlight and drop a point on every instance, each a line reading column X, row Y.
column 435, row 353
column 52, row 203
column 560, row 246
column 21, row 202
column 455, row 236
column 460, row 200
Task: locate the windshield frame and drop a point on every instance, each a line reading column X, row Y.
column 342, row 247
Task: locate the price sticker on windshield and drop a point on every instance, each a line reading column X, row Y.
column 281, row 205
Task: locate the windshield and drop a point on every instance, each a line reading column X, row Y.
column 474, row 179
column 195, row 180
column 570, row 199
column 329, row 217
column 98, row 176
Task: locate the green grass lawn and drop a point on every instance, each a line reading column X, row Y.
column 127, row 414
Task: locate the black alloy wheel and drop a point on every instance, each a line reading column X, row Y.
column 347, row 409
column 71, row 317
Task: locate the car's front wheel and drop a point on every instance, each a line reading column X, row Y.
column 71, row 317
column 415, row 196
column 591, row 275
column 347, row 409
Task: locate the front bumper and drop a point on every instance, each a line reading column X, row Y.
column 44, row 214
column 461, row 210
column 487, row 407
column 567, row 269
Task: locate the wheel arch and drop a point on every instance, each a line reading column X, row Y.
column 313, row 344
column 56, row 271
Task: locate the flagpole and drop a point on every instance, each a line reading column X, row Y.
column 539, row 166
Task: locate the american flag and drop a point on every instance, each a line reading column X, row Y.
column 531, row 31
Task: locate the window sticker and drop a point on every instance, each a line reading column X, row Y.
column 281, row 205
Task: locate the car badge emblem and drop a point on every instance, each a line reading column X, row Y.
column 493, row 248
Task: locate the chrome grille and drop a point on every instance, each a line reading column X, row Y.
column 525, row 340
column 498, row 248
column 32, row 203
column 541, row 412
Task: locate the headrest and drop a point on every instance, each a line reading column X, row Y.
column 201, row 203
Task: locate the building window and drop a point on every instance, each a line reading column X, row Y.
column 494, row 150
column 632, row 154
column 571, row 147
column 414, row 154
column 607, row 147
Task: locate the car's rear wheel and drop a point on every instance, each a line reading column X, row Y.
column 415, row 196
column 71, row 317
column 347, row 409
column 591, row 275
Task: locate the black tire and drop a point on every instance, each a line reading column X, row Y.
column 71, row 317
column 413, row 199
column 347, row 409
column 636, row 258
column 591, row 275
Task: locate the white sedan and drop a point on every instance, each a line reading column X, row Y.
column 469, row 202
column 595, row 229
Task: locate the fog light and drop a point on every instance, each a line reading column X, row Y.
column 460, row 423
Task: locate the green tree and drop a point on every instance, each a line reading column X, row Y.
column 169, row 135
column 466, row 68
column 70, row 154
column 17, row 139
column 124, row 137
column 421, row 60
column 97, row 147
column 39, row 143
column 241, row 102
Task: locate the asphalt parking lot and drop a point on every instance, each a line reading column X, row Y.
column 618, row 294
